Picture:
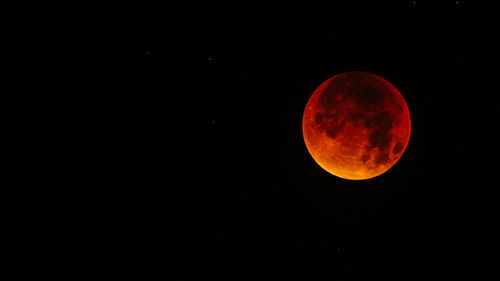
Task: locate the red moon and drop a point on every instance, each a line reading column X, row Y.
column 356, row 125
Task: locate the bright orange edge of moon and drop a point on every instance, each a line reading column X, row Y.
column 356, row 125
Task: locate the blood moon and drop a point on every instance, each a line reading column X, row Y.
column 356, row 125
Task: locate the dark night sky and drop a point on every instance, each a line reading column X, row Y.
column 164, row 142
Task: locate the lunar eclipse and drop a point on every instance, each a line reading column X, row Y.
column 356, row 125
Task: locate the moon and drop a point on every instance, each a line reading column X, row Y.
column 356, row 125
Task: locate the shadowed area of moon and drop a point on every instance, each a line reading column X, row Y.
column 356, row 125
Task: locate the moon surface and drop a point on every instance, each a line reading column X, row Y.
column 356, row 125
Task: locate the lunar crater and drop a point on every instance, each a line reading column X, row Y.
column 398, row 147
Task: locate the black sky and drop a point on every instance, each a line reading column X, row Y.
column 164, row 142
